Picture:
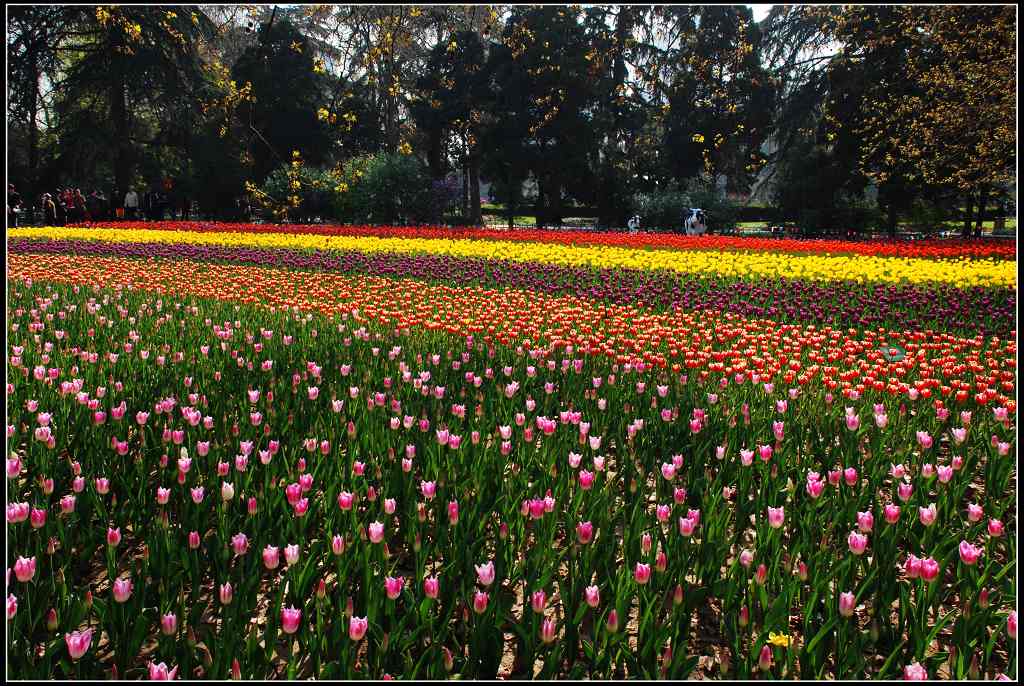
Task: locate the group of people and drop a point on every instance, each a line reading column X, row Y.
column 63, row 206
column 70, row 206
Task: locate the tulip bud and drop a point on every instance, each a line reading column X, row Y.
column 613, row 621
column 764, row 662
column 449, row 660
column 744, row 617
column 51, row 619
column 974, row 671
column 236, row 670
column 677, row 596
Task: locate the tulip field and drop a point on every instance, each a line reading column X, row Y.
column 258, row 451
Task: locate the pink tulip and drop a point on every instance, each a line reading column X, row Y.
column 642, row 573
column 226, row 593
column 159, row 672
column 453, row 512
column 764, row 661
column 865, row 521
column 761, row 575
column 485, row 573
column 393, row 586
column 291, row 554
column 915, row 672
column 584, row 532
column 122, row 589
column 357, row 628
column 1011, row 624
column 904, row 491
column 592, row 595
column 892, row 513
column 547, row 631
column 376, row 532
column 12, row 606
column 850, row 476
column 847, row 604
column 290, row 619
column 538, row 601
column 38, row 518
column 586, row 479
column 428, row 489
column 927, row 514
column 969, row 553
column 337, row 544
column 746, row 558
column 776, row 516
column 77, row 641
column 480, row 602
column 995, row 528
column 25, row 568
column 168, row 624
column 929, row 569
column 271, row 557
column 858, row 543
column 239, row 543
column 975, row 512
column 113, row 536
column 345, row 500
column 612, row 624
column 431, row 586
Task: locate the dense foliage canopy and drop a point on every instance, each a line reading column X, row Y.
column 551, row 107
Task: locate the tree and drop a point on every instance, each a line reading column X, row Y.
column 541, row 112
column 938, row 115
column 718, row 96
column 287, row 92
column 452, row 95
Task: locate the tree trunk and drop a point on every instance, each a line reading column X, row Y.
column 891, row 219
column 434, row 154
column 968, row 214
column 982, row 199
column 465, row 183
column 512, row 201
column 33, row 128
column 119, row 118
column 475, row 217
column 555, row 203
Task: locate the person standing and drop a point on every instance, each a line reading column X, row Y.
column 49, row 210
column 131, row 204
column 13, row 205
column 81, row 207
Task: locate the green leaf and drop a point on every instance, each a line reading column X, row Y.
column 888, row 662
column 821, row 634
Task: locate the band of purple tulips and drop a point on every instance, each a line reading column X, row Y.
column 974, row 310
